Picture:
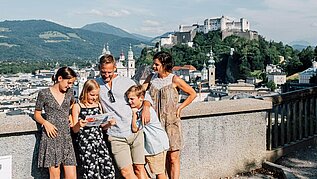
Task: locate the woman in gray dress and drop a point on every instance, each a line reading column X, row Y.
column 56, row 146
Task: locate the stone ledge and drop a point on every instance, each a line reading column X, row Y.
column 24, row 123
column 213, row 108
column 17, row 124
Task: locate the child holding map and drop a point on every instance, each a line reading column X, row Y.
column 94, row 159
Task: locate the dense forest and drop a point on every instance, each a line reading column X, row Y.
column 250, row 57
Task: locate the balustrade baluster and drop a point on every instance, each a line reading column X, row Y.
column 288, row 122
column 282, row 137
column 300, row 117
column 294, row 122
column 311, row 114
column 269, row 131
column 275, row 134
column 305, row 104
column 315, row 114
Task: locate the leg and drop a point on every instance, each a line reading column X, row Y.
column 128, row 173
column 161, row 176
column 122, row 155
column 70, row 172
column 173, row 164
column 157, row 164
column 55, row 172
column 137, row 153
column 140, row 171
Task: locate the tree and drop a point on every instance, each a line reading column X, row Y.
column 306, row 56
column 271, row 85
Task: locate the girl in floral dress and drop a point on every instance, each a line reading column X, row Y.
column 94, row 159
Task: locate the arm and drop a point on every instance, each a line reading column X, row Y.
column 146, row 83
column 111, row 122
column 147, row 102
column 146, row 116
column 77, row 123
column 181, row 84
column 50, row 129
column 134, row 126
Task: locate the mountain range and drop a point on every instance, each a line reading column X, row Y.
column 41, row 39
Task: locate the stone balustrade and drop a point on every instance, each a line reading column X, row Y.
column 221, row 138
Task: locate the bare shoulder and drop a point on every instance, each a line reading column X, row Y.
column 178, row 80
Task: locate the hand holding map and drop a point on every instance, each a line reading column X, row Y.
column 98, row 119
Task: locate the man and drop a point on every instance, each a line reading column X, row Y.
column 127, row 147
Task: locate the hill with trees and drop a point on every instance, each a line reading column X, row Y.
column 43, row 40
column 250, row 57
column 28, row 45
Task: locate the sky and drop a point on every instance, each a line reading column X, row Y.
column 277, row 20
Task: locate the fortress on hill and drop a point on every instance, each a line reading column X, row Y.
column 226, row 25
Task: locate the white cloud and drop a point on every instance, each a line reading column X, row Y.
column 151, row 30
column 106, row 13
column 95, row 12
column 282, row 20
column 151, row 23
column 314, row 24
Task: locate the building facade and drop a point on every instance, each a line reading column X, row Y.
column 305, row 76
column 125, row 67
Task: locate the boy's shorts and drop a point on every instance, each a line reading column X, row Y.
column 157, row 162
column 129, row 150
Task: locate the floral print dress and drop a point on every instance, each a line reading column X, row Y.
column 94, row 159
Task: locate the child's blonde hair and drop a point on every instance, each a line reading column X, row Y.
column 88, row 86
column 137, row 90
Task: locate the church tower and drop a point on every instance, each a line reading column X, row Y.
column 204, row 73
column 131, row 63
column 122, row 57
column 106, row 50
column 211, row 70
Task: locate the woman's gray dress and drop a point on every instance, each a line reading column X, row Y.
column 59, row 150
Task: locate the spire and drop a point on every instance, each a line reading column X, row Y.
column 204, row 64
column 211, row 60
column 130, row 53
column 122, row 57
column 106, row 49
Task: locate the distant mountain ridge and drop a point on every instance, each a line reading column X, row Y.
column 109, row 29
column 300, row 45
column 41, row 39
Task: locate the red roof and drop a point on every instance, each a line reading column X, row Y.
column 176, row 68
column 185, row 67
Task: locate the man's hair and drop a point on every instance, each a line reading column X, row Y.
column 106, row 59
column 137, row 90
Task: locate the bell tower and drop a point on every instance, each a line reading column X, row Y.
column 211, row 69
column 131, row 63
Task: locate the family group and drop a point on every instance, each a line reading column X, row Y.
column 144, row 128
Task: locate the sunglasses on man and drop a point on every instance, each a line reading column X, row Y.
column 111, row 97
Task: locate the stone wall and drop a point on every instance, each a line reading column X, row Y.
column 221, row 138
column 226, row 138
